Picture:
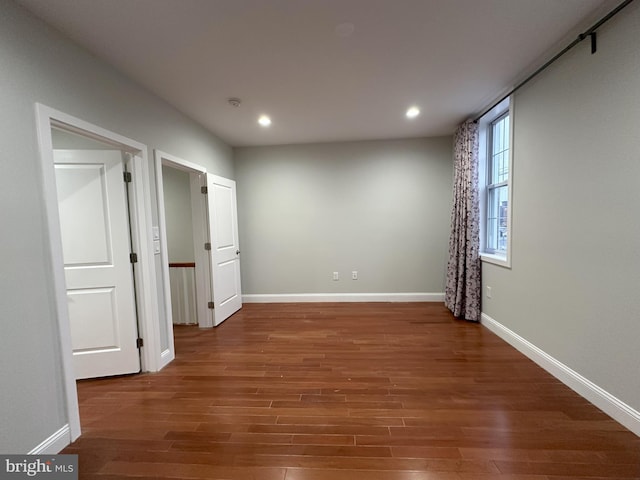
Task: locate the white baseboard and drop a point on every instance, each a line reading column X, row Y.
column 343, row 297
column 611, row 405
column 55, row 443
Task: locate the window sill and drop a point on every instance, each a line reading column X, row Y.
column 501, row 260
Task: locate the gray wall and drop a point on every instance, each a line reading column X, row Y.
column 379, row 207
column 177, row 209
column 39, row 65
column 573, row 288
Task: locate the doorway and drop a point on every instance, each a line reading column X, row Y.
column 49, row 121
column 215, row 241
column 195, row 173
column 180, row 245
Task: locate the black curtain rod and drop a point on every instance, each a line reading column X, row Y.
column 591, row 33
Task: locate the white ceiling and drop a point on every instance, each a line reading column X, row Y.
column 288, row 59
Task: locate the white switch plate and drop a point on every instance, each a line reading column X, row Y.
column 336, row 276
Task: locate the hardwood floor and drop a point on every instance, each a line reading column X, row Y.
column 347, row 391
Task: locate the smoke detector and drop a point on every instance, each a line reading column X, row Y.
column 234, row 102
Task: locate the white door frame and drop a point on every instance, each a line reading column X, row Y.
column 142, row 241
column 197, row 175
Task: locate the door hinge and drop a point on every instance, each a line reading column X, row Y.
column 139, row 343
column 127, row 177
column 207, row 246
column 204, row 190
column 211, row 305
column 133, row 257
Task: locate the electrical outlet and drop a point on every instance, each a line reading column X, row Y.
column 488, row 292
column 354, row 275
column 336, row 276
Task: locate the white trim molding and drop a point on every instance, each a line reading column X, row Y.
column 54, row 443
column 342, row 297
column 611, row 405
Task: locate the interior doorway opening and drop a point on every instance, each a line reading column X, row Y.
column 180, row 245
column 184, row 179
column 214, row 236
column 82, row 134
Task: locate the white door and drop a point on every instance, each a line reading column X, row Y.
column 225, row 249
column 94, row 222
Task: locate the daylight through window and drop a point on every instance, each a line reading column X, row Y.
column 497, row 225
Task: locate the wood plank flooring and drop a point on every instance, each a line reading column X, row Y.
column 377, row 391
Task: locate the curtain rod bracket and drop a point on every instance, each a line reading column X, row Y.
column 594, row 40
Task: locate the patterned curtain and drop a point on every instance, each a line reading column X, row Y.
column 463, row 290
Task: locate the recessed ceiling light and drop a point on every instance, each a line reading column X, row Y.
column 264, row 120
column 345, row 30
column 413, row 112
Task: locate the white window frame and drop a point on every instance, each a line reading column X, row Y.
column 485, row 124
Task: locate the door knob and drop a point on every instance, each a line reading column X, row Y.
column 237, row 252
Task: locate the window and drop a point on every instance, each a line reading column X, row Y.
column 498, row 186
column 495, row 177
